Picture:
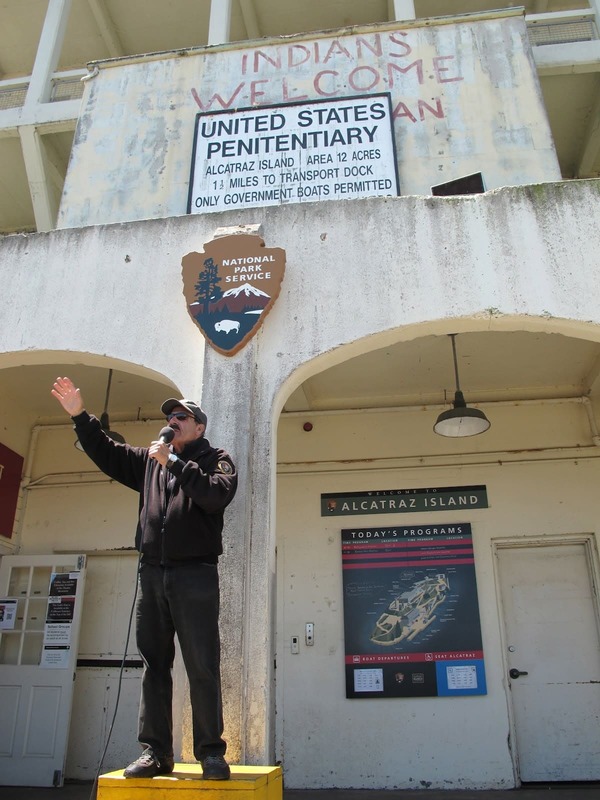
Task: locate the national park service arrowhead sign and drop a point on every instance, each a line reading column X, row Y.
column 231, row 287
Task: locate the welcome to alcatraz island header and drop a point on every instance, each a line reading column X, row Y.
column 403, row 501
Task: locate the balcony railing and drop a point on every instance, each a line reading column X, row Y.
column 561, row 28
column 13, row 93
column 67, row 85
column 64, row 86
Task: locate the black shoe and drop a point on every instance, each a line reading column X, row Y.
column 215, row 768
column 148, row 765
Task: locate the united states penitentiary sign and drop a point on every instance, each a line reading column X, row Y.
column 293, row 153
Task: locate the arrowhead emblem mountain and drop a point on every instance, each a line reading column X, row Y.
column 231, row 287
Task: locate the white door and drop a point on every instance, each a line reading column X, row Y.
column 553, row 659
column 38, row 654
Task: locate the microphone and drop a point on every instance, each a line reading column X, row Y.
column 166, row 435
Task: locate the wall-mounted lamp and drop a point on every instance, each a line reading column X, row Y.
column 104, row 420
column 460, row 420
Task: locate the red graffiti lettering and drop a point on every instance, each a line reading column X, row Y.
column 304, row 57
column 401, row 110
column 334, row 49
column 438, row 111
column 274, row 61
column 404, row 45
column 287, row 96
column 317, row 83
column 217, row 98
column 255, row 93
column 375, row 48
column 352, row 79
column 416, row 65
column 438, row 69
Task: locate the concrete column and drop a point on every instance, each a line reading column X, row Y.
column 591, row 143
column 240, row 424
column 402, row 9
column 250, row 19
column 45, row 206
column 107, row 28
column 220, row 19
column 40, row 86
column 48, row 52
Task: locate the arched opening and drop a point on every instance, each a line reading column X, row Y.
column 64, row 506
column 362, row 426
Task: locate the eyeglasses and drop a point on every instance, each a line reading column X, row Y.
column 178, row 415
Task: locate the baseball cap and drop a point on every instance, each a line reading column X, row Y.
column 189, row 405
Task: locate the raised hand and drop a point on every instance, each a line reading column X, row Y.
column 68, row 395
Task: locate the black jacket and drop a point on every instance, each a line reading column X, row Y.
column 183, row 523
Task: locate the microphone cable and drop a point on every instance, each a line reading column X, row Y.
column 166, row 435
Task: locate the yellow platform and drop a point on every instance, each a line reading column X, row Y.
column 186, row 783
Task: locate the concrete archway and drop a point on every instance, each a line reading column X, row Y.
column 536, row 378
column 65, row 504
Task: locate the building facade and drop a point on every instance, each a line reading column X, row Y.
column 354, row 149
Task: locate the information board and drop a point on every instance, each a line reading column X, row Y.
column 62, row 596
column 411, row 616
column 293, row 153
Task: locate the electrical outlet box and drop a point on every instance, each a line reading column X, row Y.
column 310, row 634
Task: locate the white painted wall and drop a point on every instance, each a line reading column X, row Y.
column 103, row 291
column 541, row 470
column 465, row 96
column 70, row 504
column 436, row 266
column 447, row 273
column 412, row 743
column 107, row 611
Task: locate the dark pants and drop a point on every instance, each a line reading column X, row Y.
column 182, row 600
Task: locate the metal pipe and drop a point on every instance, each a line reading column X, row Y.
column 414, row 463
column 434, row 406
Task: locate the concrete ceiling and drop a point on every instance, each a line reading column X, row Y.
column 493, row 366
column 98, row 29
column 131, row 397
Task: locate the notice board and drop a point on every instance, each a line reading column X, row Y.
column 411, row 614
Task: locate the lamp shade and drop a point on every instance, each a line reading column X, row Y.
column 460, row 420
column 105, row 423
column 116, row 437
column 104, row 420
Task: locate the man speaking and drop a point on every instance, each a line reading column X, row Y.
column 184, row 488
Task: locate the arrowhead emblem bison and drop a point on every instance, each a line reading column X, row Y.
column 230, row 288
